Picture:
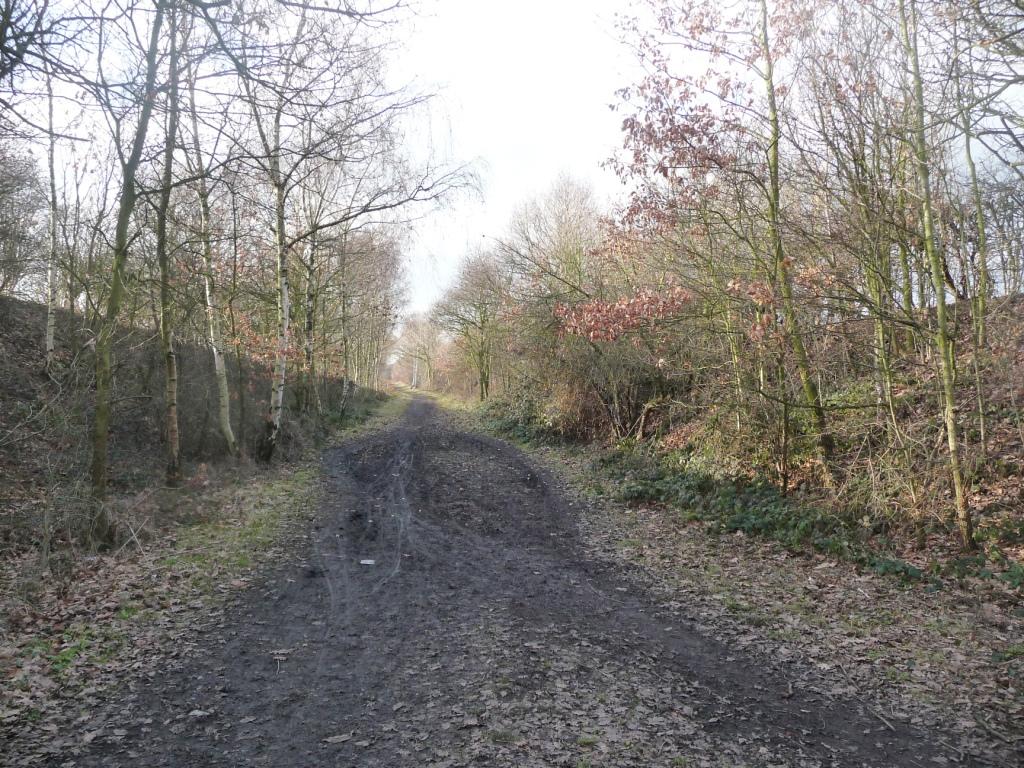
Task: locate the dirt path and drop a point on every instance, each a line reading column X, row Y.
column 479, row 635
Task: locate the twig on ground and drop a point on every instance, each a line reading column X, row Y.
column 878, row 714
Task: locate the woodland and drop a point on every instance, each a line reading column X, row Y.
column 799, row 324
column 210, row 203
column 811, row 293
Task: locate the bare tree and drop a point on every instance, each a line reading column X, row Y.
column 470, row 313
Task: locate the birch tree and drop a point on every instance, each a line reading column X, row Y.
column 167, row 342
column 199, row 167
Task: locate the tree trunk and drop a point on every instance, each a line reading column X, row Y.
column 933, row 252
column 312, row 394
column 173, row 469
column 213, row 332
column 780, row 269
column 51, row 267
column 239, row 355
column 105, row 336
column 276, row 410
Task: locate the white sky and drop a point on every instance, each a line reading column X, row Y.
column 525, row 89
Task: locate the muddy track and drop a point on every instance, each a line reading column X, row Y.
column 479, row 635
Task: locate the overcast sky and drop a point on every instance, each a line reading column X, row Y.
column 524, row 93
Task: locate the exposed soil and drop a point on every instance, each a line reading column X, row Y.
column 480, row 634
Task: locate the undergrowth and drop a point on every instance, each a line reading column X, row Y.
column 758, row 508
column 692, row 483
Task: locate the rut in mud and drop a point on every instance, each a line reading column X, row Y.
column 479, row 635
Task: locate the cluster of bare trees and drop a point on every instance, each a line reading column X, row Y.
column 230, row 172
column 823, row 231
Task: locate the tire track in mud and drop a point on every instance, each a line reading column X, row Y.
column 480, row 635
